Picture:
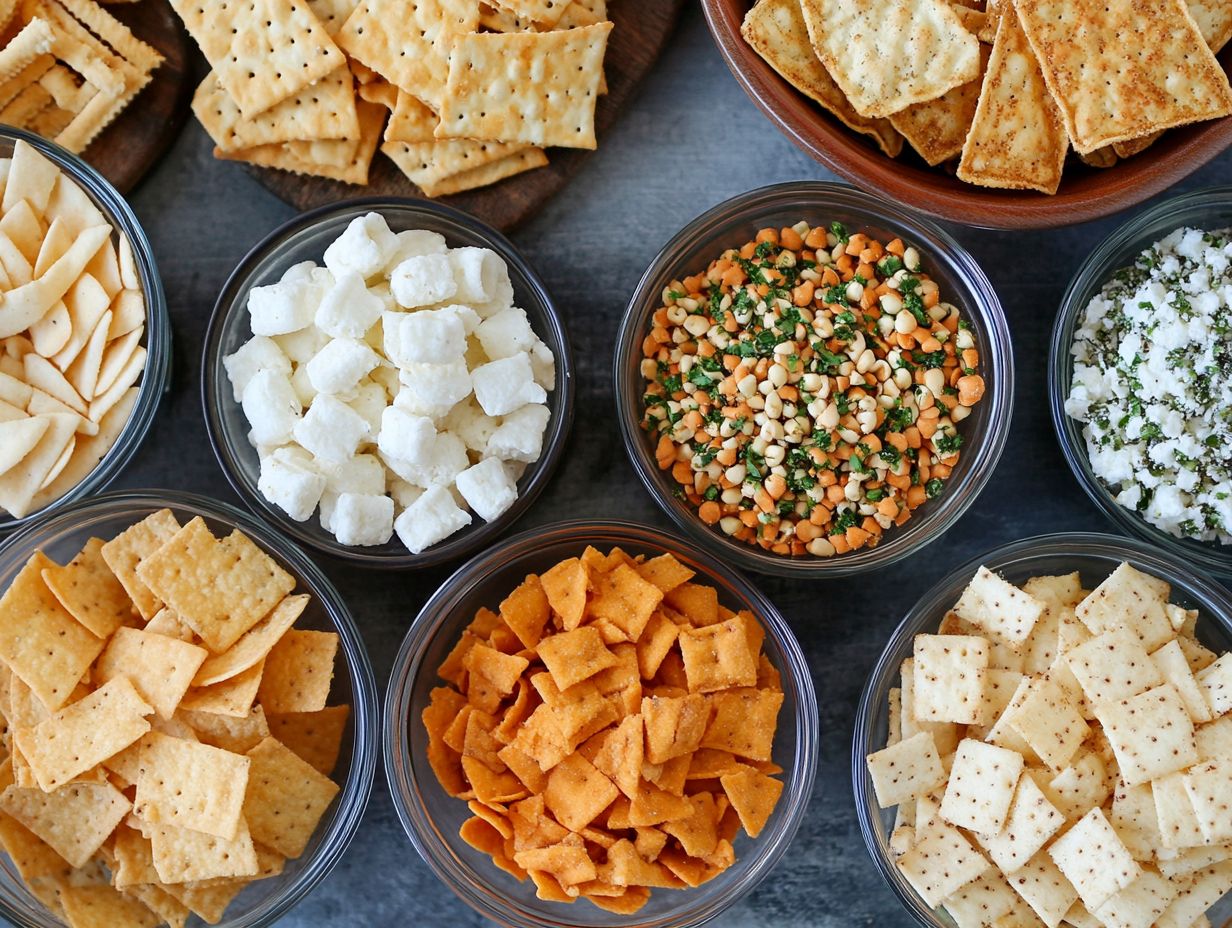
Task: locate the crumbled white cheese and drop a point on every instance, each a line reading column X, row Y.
column 1153, row 384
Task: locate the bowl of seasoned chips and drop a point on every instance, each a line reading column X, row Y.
column 189, row 714
column 1020, row 115
column 1047, row 736
column 86, row 341
column 596, row 724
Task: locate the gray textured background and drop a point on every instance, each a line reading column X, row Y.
column 690, row 140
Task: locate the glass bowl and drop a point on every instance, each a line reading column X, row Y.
column 956, row 272
column 155, row 380
column 262, row 903
column 1094, row 556
column 1204, row 209
column 431, row 817
column 305, row 238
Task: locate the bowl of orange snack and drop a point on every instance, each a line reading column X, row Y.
column 189, row 717
column 595, row 722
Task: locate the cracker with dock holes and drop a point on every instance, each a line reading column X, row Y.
column 137, row 727
column 536, row 88
column 587, row 764
column 1119, row 805
column 776, row 31
column 889, row 57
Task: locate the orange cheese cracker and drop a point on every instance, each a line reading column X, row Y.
column 611, row 728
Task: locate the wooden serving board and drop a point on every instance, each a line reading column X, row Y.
column 131, row 145
column 641, row 31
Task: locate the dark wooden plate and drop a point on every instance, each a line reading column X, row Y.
column 1085, row 192
column 642, row 28
column 131, row 145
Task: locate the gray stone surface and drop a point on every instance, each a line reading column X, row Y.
column 690, row 140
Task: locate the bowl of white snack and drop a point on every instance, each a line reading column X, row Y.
column 388, row 381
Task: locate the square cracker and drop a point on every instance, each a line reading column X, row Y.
column 89, row 591
column 1151, row 734
column 1209, row 787
column 906, row 770
column 982, row 902
column 941, row 863
column 101, row 906
column 1123, row 70
column 937, row 129
column 226, row 732
column 42, row 644
column 286, row 797
column 1113, row 666
column 1139, row 904
column 304, row 157
column 886, row 56
column 84, row 733
column 981, row 786
column 1094, row 859
column 160, row 667
column 232, row 697
column 255, row 644
column 125, row 551
column 1017, row 138
column 182, row 855
column 75, row 820
column 1178, row 821
column 484, row 175
column 263, row 51
column 998, row 607
column 1049, row 721
column 430, row 165
column 220, row 588
column 1045, row 889
column 1215, row 682
column 298, row 672
column 407, row 42
column 324, row 110
column 717, row 657
column 574, row 656
column 1129, row 598
column 314, row 736
column 775, row 29
column 191, row 785
column 950, row 678
column 1031, row 823
column 535, row 88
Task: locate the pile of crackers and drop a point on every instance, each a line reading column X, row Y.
column 168, row 740
column 72, row 322
column 68, row 68
column 611, row 730
column 458, row 94
column 1000, row 93
column 1063, row 756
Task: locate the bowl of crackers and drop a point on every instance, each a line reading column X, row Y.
column 1047, row 737
column 86, row 341
column 1004, row 115
column 596, row 724
column 189, row 717
column 387, row 381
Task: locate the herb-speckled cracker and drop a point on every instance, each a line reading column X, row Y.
column 775, row 29
column 1121, row 69
column 888, row 55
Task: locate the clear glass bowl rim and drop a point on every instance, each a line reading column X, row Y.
column 437, row 613
column 928, row 611
column 1091, row 276
column 997, row 362
column 155, row 379
column 365, row 709
column 554, row 440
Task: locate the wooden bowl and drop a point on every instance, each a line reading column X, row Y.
column 1085, row 192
